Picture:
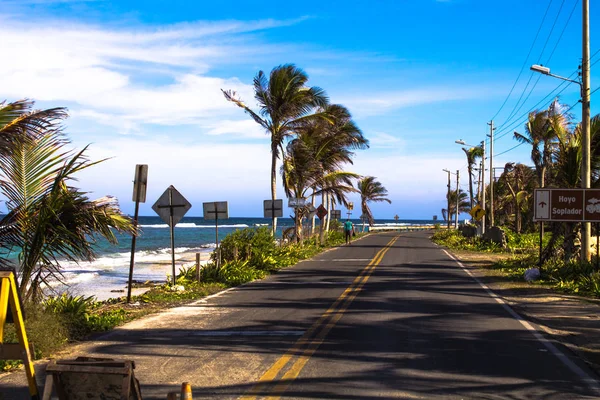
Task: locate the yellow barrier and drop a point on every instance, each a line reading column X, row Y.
column 186, row 391
column 9, row 297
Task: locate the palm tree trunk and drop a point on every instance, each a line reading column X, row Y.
column 274, row 183
column 322, row 223
column 314, row 218
column 471, row 183
column 328, row 212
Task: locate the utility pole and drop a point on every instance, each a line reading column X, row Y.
column 457, row 199
column 483, row 187
column 492, row 175
column 585, row 122
column 448, row 215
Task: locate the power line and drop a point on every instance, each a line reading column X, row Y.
column 518, row 107
column 526, row 59
column 563, row 31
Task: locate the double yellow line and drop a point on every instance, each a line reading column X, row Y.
column 306, row 346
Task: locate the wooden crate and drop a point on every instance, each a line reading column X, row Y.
column 92, row 379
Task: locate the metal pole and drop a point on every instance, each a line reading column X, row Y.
column 492, row 173
column 134, row 237
column 449, row 216
column 541, row 240
column 218, row 255
column 483, row 187
column 585, row 122
column 198, row 275
column 172, row 234
column 457, row 183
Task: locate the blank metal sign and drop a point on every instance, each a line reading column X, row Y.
column 273, row 208
column 215, row 210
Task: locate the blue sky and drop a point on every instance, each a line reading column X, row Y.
column 142, row 82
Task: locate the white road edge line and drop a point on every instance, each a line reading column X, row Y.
column 584, row 376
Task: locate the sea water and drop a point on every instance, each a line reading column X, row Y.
column 108, row 274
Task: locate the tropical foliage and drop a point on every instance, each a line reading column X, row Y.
column 371, row 191
column 47, row 220
column 315, row 140
column 285, row 104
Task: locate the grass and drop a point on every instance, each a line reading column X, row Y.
column 570, row 277
column 247, row 255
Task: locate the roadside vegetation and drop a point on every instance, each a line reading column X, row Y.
column 554, row 139
column 521, row 254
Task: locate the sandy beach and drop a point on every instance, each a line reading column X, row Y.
column 110, row 285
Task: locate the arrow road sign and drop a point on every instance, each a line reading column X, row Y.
column 171, row 199
column 542, row 204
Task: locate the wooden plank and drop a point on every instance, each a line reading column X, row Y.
column 88, row 370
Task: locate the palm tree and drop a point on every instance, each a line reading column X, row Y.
column 472, row 155
column 370, row 191
column 517, row 178
column 48, row 220
column 463, row 203
column 285, row 103
column 313, row 163
column 332, row 142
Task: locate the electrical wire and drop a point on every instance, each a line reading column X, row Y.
column 518, row 107
column 526, row 59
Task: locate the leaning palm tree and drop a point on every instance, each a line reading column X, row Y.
column 472, row 155
column 47, row 219
column 370, row 191
column 303, row 176
column 332, row 144
column 463, row 203
column 285, row 103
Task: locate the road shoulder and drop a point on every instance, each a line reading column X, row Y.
column 573, row 321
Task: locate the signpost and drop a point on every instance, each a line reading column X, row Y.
column 321, row 212
column 171, row 206
column 296, row 202
column 216, row 210
column 566, row 205
column 350, row 208
column 140, row 183
column 336, row 214
column 477, row 212
column 273, row 208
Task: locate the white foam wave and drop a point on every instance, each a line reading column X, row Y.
column 193, row 225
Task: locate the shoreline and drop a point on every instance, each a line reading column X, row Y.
column 113, row 285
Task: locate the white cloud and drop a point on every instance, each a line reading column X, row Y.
column 382, row 103
column 105, row 72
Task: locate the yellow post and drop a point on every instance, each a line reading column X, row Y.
column 186, row 391
column 10, row 296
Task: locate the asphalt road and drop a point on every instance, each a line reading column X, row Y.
column 390, row 316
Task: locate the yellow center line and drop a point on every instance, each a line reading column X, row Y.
column 297, row 367
column 333, row 314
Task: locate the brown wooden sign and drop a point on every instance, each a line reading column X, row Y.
column 567, row 205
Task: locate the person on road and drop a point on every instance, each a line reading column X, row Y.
column 348, row 230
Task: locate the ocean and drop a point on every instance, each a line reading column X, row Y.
column 107, row 275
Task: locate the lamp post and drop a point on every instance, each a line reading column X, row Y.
column 482, row 145
column 585, row 118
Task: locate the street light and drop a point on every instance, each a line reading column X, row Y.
column 584, row 87
column 482, row 145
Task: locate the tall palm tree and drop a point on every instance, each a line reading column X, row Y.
column 472, row 155
column 333, row 142
column 463, row 203
column 303, row 176
column 285, row 103
column 371, row 191
column 47, row 219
